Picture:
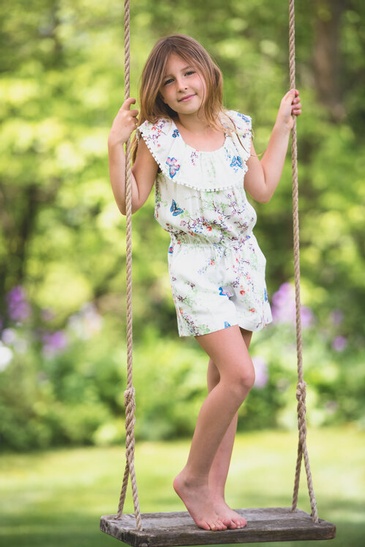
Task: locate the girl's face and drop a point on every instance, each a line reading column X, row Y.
column 183, row 89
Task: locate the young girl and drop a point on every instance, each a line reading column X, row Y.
column 201, row 159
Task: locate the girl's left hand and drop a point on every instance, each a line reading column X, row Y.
column 290, row 106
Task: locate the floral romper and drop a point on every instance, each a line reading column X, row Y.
column 217, row 269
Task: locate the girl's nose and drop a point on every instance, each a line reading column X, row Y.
column 181, row 84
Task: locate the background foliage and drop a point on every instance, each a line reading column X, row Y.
column 61, row 240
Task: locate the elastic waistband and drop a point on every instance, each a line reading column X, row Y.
column 199, row 241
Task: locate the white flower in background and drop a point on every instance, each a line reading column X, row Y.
column 87, row 322
column 261, row 372
column 6, row 356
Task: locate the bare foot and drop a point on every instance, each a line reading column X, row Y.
column 232, row 519
column 198, row 502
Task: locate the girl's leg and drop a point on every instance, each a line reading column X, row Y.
column 220, row 467
column 229, row 353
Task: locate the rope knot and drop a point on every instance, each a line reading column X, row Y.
column 301, row 391
column 129, row 397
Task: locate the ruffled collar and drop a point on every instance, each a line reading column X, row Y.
column 180, row 163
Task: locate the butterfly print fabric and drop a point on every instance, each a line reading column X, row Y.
column 216, row 267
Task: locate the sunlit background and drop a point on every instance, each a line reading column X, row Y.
column 62, row 250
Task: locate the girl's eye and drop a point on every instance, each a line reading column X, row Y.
column 190, row 73
column 169, row 81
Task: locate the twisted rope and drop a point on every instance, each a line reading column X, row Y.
column 301, row 386
column 129, row 395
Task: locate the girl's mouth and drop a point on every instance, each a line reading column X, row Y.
column 186, row 98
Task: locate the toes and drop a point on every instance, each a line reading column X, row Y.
column 231, row 524
column 204, row 525
column 234, row 524
column 218, row 526
column 241, row 523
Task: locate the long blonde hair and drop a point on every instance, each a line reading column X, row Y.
column 152, row 106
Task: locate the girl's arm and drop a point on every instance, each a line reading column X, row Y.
column 145, row 168
column 263, row 175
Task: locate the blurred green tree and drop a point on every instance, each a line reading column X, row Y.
column 61, row 235
column 62, row 81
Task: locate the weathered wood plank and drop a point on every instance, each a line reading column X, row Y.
column 173, row 529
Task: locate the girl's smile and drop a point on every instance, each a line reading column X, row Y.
column 186, row 98
column 183, row 88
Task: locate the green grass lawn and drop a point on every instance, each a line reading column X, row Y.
column 55, row 498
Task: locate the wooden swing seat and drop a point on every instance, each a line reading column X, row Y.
column 170, row 529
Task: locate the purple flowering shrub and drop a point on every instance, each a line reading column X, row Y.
column 333, row 395
column 18, row 306
column 58, row 384
column 62, row 382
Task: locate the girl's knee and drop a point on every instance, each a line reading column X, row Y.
column 247, row 378
column 242, row 381
column 251, row 378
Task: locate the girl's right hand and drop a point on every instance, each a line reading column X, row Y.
column 125, row 122
column 290, row 106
